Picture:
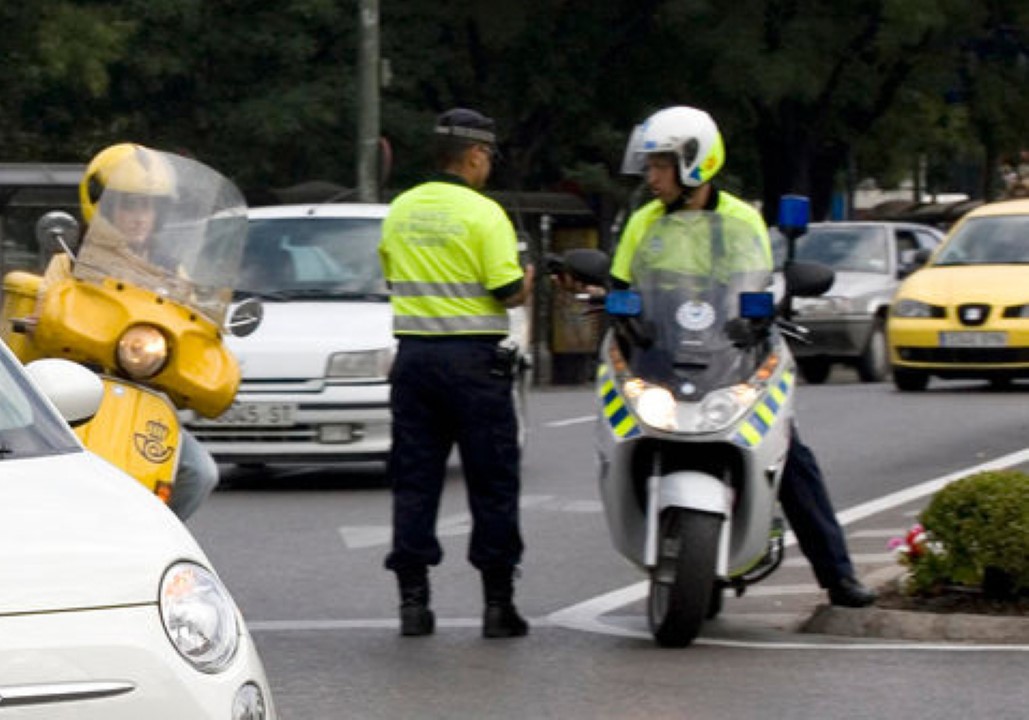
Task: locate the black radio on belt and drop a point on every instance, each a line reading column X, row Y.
column 505, row 360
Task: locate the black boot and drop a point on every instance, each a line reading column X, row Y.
column 415, row 616
column 849, row 592
column 501, row 618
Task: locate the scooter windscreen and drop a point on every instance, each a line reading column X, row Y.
column 168, row 224
column 690, row 269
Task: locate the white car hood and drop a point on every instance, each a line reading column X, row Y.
column 76, row 533
column 295, row 339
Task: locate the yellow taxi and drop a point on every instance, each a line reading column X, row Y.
column 965, row 314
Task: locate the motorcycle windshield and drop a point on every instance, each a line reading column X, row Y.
column 171, row 225
column 690, row 269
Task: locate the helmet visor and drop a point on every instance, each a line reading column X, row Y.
column 635, row 160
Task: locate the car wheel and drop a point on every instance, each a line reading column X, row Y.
column 873, row 364
column 815, row 371
column 910, row 380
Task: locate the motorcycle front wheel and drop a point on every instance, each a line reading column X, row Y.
column 684, row 578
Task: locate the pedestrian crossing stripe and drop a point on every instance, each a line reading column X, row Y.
column 622, row 423
column 753, row 430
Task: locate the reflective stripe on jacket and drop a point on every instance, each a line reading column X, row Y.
column 444, row 248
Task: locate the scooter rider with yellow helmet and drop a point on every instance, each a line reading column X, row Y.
column 124, row 195
column 679, row 150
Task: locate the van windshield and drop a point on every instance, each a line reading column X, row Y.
column 313, row 258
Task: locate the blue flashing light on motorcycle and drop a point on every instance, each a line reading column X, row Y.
column 757, row 305
column 623, row 303
column 794, row 212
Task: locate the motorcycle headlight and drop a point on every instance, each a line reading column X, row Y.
column 366, row 364
column 142, row 351
column 722, row 408
column 199, row 617
column 916, row 309
column 654, row 405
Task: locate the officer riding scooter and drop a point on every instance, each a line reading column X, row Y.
column 695, row 387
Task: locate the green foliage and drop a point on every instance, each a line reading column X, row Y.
column 802, row 89
column 977, row 532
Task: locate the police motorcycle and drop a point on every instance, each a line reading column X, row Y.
column 149, row 319
column 695, row 385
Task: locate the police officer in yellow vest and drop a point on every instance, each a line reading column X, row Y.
column 450, row 256
column 680, row 150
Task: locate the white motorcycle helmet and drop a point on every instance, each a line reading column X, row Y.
column 688, row 133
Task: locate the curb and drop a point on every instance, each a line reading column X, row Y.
column 873, row 622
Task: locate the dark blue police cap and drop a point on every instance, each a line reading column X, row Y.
column 467, row 125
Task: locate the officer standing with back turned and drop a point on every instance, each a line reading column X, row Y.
column 450, row 256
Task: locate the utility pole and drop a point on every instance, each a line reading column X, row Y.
column 368, row 103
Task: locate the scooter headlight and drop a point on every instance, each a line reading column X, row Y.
column 142, row 352
column 654, row 405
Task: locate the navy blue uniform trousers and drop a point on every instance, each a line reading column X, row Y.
column 805, row 501
column 443, row 394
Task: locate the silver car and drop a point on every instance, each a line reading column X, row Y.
column 848, row 323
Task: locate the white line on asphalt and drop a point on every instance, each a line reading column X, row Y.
column 571, row 421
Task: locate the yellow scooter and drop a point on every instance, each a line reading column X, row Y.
column 148, row 316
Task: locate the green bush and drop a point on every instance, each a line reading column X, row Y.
column 977, row 535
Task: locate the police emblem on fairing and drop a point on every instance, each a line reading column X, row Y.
column 695, row 315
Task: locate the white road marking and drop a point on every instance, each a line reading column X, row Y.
column 357, row 537
column 571, row 421
column 856, row 558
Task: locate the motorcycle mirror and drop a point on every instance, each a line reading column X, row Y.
column 246, row 317
column 57, row 231
column 807, row 279
column 587, row 265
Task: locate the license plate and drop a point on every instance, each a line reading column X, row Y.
column 973, row 339
column 257, row 414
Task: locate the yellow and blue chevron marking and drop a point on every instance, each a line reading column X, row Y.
column 753, row 430
column 623, row 424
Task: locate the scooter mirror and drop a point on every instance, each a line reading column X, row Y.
column 246, row 317
column 807, row 279
column 57, row 231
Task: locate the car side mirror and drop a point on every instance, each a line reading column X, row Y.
column 911, row 260
column 73, row 389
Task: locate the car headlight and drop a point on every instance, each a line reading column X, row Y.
column 833, row 305
column 142, row 351
column 1017, row 311
column 199, row 617
column 366, row 364
column 916, row 309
